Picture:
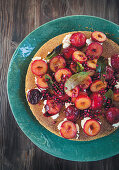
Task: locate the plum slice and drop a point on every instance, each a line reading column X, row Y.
column 72, row 113
column 68, row 130
column 82, row 102
column 98, row 36
column 39, row 67
column 79, row 56
column 92, row 64
column 61, row 73
column 57, row 63
column 98, row 85
column 95, row 49
column 41, row 82
column 53, row 106
column 96, row 101
column 112, row 115
column 34, row 96
column 78, row 39
column 91, row 127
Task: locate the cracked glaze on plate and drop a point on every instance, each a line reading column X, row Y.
column 66, row 149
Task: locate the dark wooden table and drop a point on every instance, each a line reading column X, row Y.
column 17, row 19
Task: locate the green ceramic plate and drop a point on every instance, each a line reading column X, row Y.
column 45, row 140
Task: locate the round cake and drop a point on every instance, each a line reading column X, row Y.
column 72, row 85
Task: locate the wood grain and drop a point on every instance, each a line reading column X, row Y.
column 17, row 19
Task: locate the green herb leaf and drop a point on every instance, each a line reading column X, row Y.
column 54, row 53
column 79, row 67
column 101, row 67
column 51, row 83
column 76, row 79
column 109, row 94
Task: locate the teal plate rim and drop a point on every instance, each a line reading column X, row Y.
column 62, row 148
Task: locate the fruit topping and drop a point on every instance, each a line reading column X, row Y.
column 116, row 96
column 79, row 56
column 115, row 62
column 67, row 52
column 82, row 101
column 61, row 73
column 68, row 130
column 57, row 63
column 98, row 85
column 39, row 67
column 98, row 36
column 73, row 67
column 109, row 73
column 78, row 39
column 34, row 96
column 73, row 92
column 72, row 113
column 91, row 127
column 91, row 90
column 92, row 63
column 94, row 49
column 86, row 82
column 96, row 101
column 112, row 115
column 53, row 106
column 41, row 81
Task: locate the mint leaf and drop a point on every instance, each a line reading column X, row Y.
column 79, row 67
column 54, row 53
column 76, row 79
column 101, row 67
column 49, row 81
column 109, row 94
